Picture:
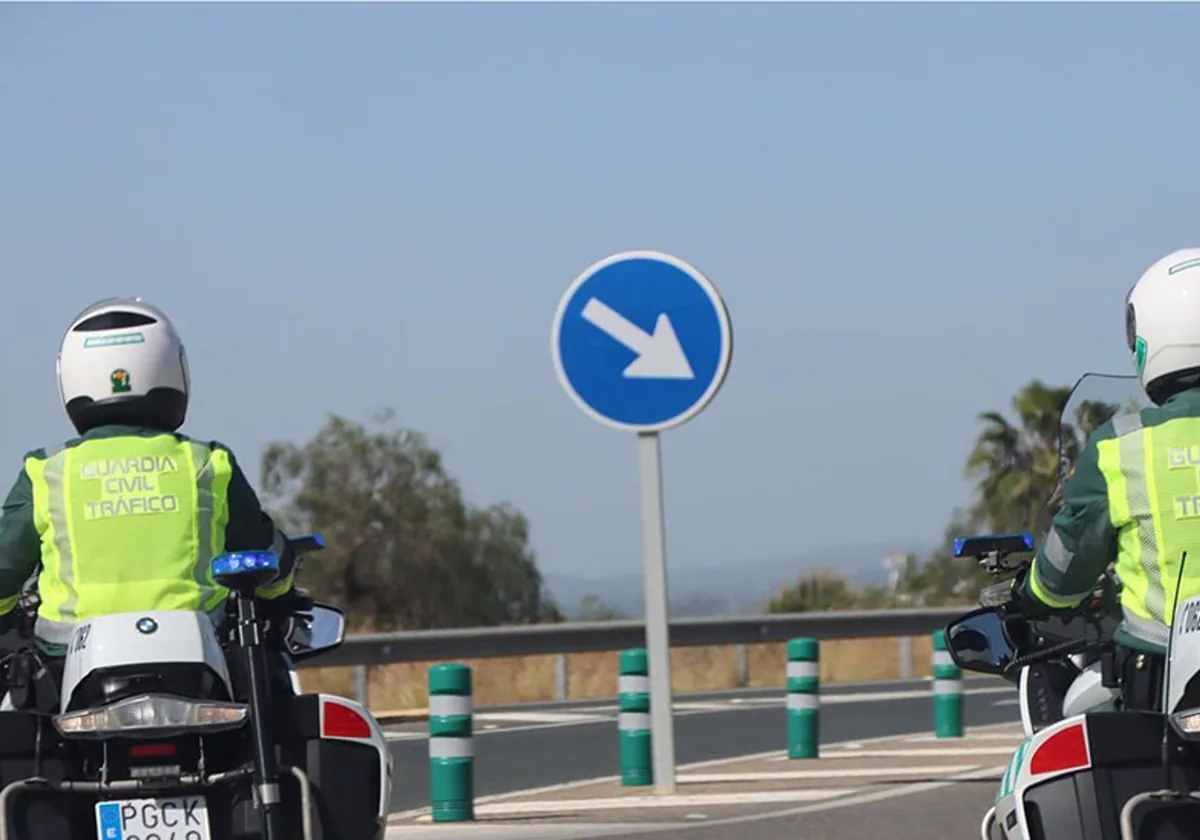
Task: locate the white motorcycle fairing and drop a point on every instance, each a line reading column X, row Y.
column 374, row 737
column 149, row 638
column 1085, row 695
column 1056, row 750
column 1088, row 694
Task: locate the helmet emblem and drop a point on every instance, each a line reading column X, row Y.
column 120, row 381
column 146, row 626
column 1139, row 353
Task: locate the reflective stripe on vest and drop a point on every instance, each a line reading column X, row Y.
column 126, row 524
column 1153, row 478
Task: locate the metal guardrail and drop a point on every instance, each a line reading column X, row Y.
column 580, row 637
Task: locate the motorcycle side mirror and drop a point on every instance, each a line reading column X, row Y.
column 320, row 629
column 977, row 642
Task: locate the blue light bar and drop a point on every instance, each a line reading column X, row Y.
column 242, row 562
column 978, row 546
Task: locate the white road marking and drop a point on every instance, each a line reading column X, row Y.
column 848, row 802
column 700, row 707
column 510, row 831
column 916, row 753
column 682, row 800
column 874, row 696
column 1016, row 736
column 844, row 773
column 537, row 717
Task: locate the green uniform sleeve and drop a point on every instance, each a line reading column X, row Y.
column 20, row 545
column 1082, row 540
column 251, row 528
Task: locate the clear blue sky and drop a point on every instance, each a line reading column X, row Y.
column 911, row 211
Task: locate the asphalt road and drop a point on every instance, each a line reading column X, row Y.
column 952, row 813
column 533, row 746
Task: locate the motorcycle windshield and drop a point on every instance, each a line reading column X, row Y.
column 1094, row 400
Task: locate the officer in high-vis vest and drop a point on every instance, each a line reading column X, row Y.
column 1134, row 498
column 127, row 516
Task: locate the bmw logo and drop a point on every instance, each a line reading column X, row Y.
column 147, row 626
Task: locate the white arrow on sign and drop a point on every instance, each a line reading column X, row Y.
column 659, row 356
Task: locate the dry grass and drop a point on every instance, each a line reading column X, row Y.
column 532, row 678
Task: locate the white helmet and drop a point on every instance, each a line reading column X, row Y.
column 122, row 362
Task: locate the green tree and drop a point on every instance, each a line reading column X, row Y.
column 405, row 550
column 875, row 598
column 814, row 591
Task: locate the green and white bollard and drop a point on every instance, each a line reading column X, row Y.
column 947, row 691
column 451, row 745
column 803, row 698
column 633, row 719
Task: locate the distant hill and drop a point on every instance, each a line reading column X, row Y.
column 736, row 588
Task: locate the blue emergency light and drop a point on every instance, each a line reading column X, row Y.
column 244, row 568
column 979, row 546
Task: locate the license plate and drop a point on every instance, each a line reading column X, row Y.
column 177, row 818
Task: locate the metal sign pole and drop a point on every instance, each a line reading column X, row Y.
column 658, row 649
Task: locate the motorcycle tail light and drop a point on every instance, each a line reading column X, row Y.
column 151, row 716
column 342, row 721
column 1187, row 724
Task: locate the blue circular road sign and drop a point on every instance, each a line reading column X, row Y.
column 642, row 341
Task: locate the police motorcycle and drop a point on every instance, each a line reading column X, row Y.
column 169, row 727
column 1088, row 769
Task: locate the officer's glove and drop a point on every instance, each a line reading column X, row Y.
column 297, row 633
column 278, row 611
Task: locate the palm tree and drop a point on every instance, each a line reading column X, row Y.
column 1018, row 467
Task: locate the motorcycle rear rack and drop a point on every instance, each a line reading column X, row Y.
column 122, row 785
